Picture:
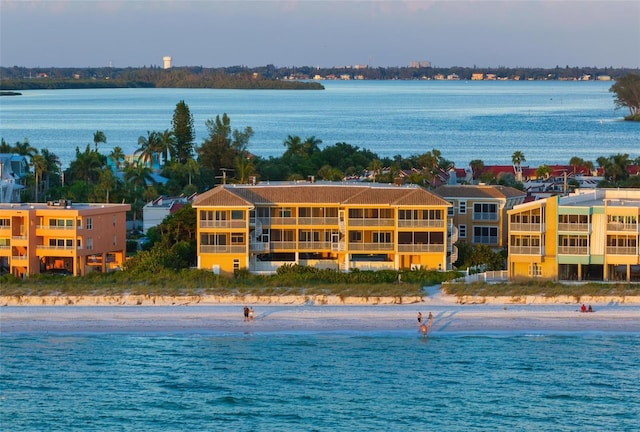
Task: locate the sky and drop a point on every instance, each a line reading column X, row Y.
column 323, row 33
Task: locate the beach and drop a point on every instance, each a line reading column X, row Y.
column 304, row 314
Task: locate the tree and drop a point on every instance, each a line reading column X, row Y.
column 39, row 165
column 149, row 147
column 543, row 171
column 99, row 137
column 517, row 158
column 167, row 145
column 222, row 146
column 627, row 94
column 24, row 149
column 87, row 165
column 117, row 156
column 183, row 131
column 476, row 166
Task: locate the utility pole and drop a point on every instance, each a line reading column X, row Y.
column 224, row 175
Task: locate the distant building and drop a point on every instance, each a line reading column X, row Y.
column 166, row 62
column 13, row 172
column 419, row 64
column 154, row 212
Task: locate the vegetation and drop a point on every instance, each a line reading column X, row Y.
column 545, row 289
column 293, row 280
column 627, row 95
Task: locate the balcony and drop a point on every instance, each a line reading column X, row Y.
column 526, row 227
column 223, row 224
column 485, row 216
column 278, row 221
column 574, row 227
column 622, row 250
column 420, row 248
column 620, row 227
column 386, row 222
column 282, row 245
column 331, row 221
column 370, row 247
column 303, row 245
column 235, row 249
column 573, row 250
column 525, row 250
column 420, row 223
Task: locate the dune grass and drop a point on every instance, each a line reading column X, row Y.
column 544, row 289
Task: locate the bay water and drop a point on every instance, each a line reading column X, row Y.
column 548, row 121
column 318, row 381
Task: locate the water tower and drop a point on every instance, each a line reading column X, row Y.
column 167, row 62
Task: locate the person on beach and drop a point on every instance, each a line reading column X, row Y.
column 251, row 314
column 583, row 308
column 590, row 309
column 246, row 313
column 430, row 320
column 419, row 318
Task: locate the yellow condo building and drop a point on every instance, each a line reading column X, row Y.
column 324, row 225
column 61, row 237
column 588, row 235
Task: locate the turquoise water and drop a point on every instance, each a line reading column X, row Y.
column 321, row 381
column 550, row 122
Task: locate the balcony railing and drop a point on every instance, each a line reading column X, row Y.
column 19, row 258
column 303, row 245
column 318, row 221
column 372, row 222
column 613, row 226
column 19, row 237
column 420, row 248
column 574, row 227
column 526, row 227
column 239, row 249
column 370, row 246
column 573, row 250
column 279, row 221
column 420, row 223
column 55, row 227
column 485, row 216
column 49, row 247
column 622, row 250
column 280, row 245
column 525, row 250
column 223, row 224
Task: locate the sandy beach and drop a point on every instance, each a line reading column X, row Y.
column 319, row 315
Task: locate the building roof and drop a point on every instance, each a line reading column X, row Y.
column 481, row 191
column 360, row 194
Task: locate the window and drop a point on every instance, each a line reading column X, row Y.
column 485, row 235
column 485, row 211
column 382, row 237
column 89, row 244
column 284, row 212
column 236, row 264
column 450, row 209
column 89, row 225
column 462, row 231
column 113, row 221
column 237, row 238
column 115, row 240
column 237, row 214
column 355, row 236
column 462, row 207
column 5, row 223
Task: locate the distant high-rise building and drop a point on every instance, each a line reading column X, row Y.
column 167, row 62
column 419, row 64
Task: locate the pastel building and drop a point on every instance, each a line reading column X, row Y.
column 324, row 225
column 588, row 235
column 61, row 236
column 479, row 213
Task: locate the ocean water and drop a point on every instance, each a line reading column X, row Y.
column 318, row 381
column 549, row 121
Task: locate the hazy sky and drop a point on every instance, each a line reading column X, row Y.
column 210, row 33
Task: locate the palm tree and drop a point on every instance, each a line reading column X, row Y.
column 543, row 171
column 311, row 145
column 99, row 137
column 244, row 169
column 86, row 166
column 138, row 175
column 517, row 158
column 116, row 156
column 376, row 167
column 192, row 168
column 149, row 147
column 294, row 147
column 167, row 145
column 39, row 165
column 24, row 149
column 576, row 162
column 476, row 166
column 4, row 147
column 52, row 163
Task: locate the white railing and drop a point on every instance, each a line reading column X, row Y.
column 370, row 246
column 51, row 227
column 525, row 250
column 622, row 250
column 372, row 222
column 526, row 227
column 314, row 245
column 485, row 216
column 613, row 226
column 573, row 250
column 222, row 223
column 223, row 249
column 49, row 247
column 318, row 221
column 574, row 227
column 420, row 248
column 489, row 276
column 372, row 265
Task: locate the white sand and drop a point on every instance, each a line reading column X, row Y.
column 448, row 318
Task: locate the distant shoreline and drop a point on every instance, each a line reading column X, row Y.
column 10, row 93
